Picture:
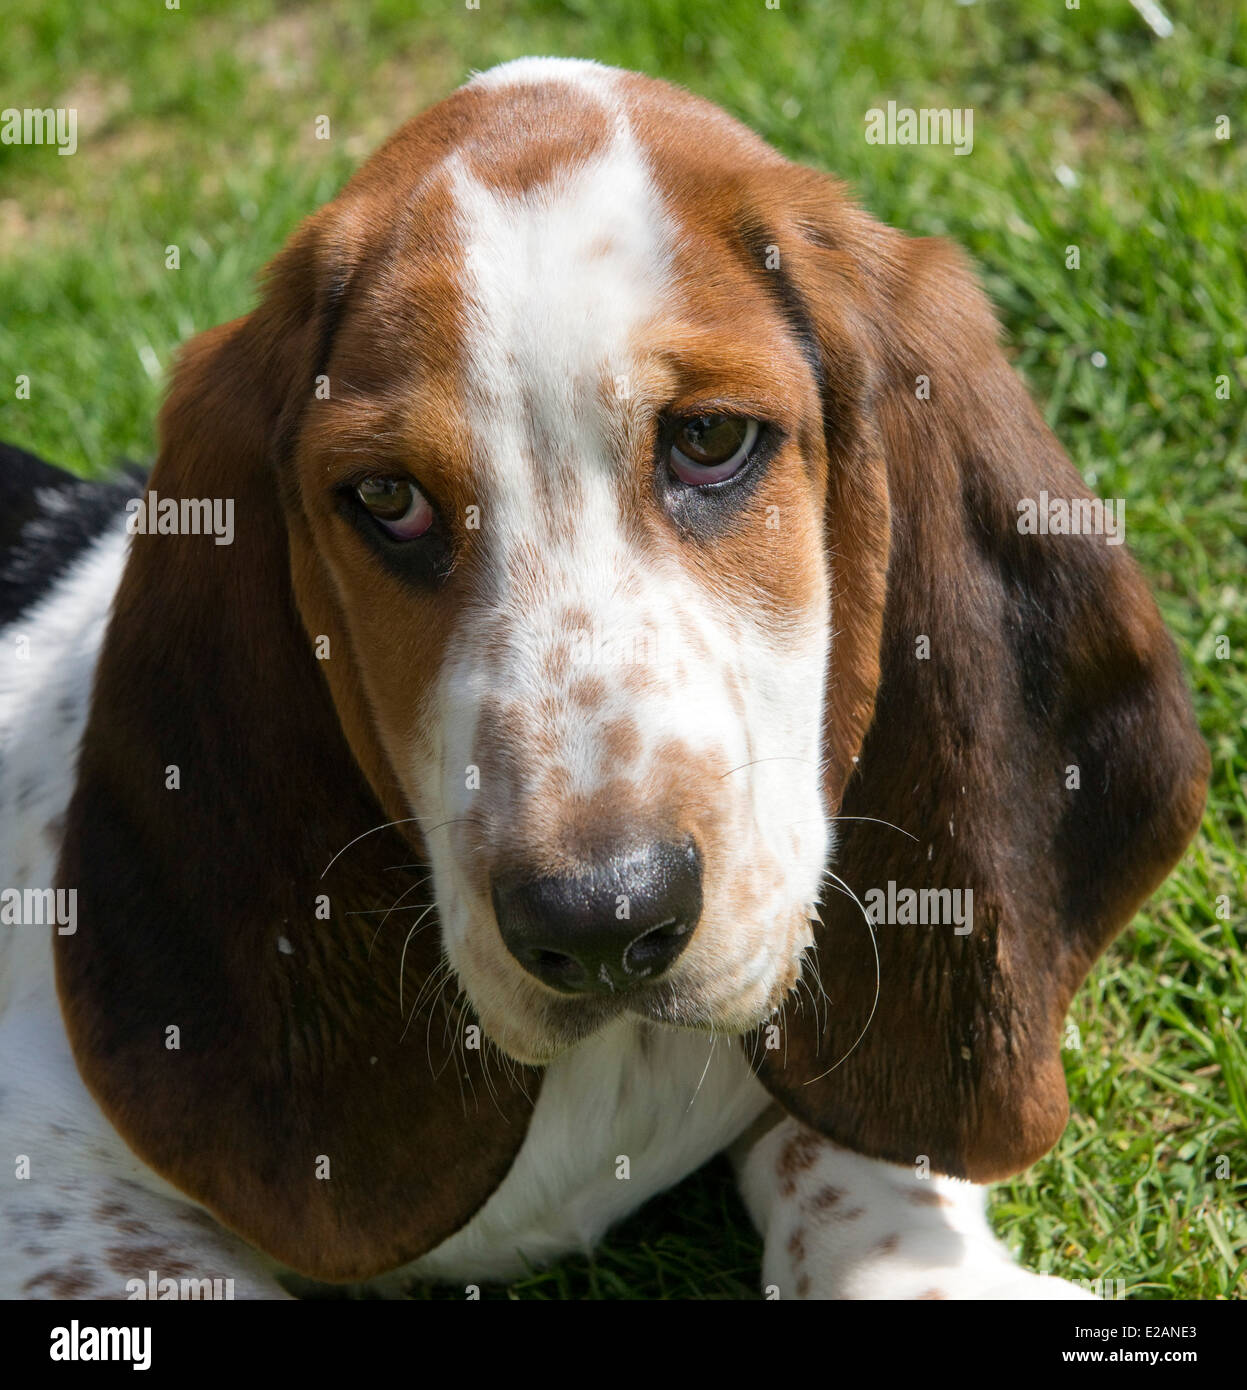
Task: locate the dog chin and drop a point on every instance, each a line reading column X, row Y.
column 549, row 1038
column 579, row 1020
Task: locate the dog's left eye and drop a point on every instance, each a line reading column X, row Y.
column 397, row 505
column 711, row 448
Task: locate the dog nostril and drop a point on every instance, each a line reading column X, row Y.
column 556, row 968
column 653, row 948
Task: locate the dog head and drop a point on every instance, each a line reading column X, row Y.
column 627, row 580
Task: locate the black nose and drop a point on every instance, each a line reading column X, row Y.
column 621, row 921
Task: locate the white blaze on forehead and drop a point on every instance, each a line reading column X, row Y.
column 557, row 280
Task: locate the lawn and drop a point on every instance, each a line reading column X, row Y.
column 196, row 129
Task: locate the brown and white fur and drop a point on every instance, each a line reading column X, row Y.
column 287, row 1033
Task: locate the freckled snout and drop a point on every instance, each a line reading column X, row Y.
column 622, row 920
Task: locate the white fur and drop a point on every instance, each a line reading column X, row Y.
column 665, row 1102
column 845, row 1226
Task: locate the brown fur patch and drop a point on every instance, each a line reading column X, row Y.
column 825, row 1200
column 798, row 1155
column 525, row 135
column 132, row 1260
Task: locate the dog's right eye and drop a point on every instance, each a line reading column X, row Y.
column 397, row 505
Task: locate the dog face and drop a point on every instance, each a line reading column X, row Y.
column 573, row 515
column 618, row 509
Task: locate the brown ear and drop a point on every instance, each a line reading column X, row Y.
column 1043, row 653
column 336, row 1130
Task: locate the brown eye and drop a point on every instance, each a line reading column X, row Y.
column 710, row 448
column 397, row 505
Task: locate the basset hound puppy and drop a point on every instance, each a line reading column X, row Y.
column 578, row 696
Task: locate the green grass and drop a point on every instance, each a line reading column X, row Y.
column 196, row 130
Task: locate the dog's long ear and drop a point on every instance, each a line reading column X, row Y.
column 1026, row 726
column 237, row 1010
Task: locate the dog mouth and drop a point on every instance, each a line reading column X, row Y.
column 561, row 1024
